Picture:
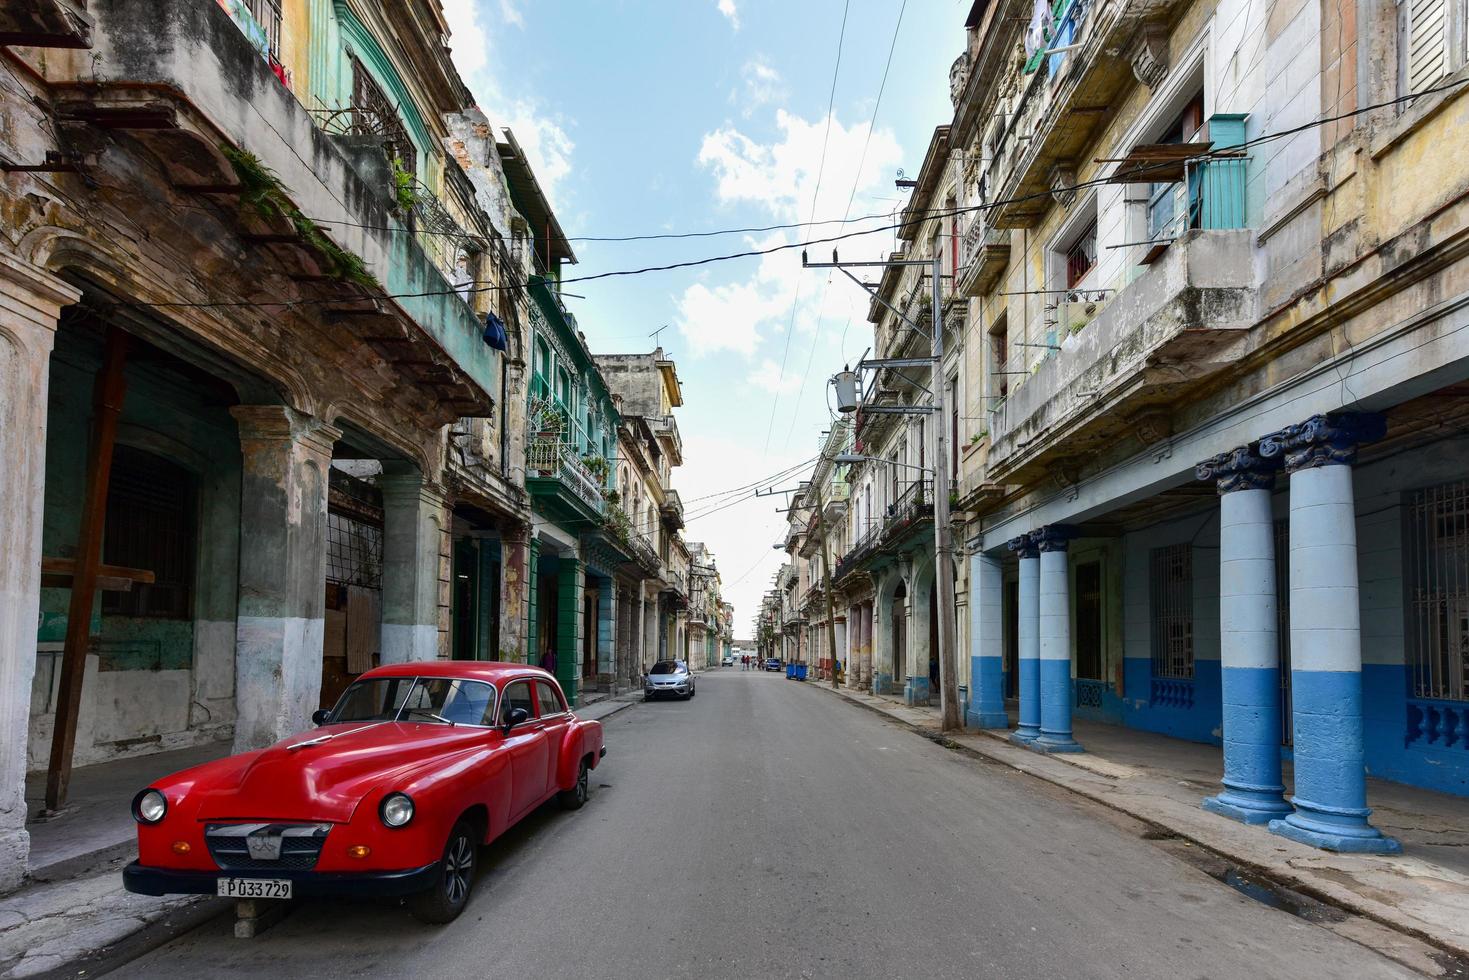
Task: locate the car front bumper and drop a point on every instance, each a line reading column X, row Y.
column 304, row 884
column 667, row 692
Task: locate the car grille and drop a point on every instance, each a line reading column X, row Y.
column 300, row 845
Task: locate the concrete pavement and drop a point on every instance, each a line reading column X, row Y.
column 760, row 831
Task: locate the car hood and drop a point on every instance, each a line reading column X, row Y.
column 668, row 678
column 330, row 772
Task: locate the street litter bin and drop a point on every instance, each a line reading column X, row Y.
column 800, row 672
column 790, row 672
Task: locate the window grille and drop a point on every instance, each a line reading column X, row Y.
column 354, row 551
column 382, row 115
column 1438, row 650
column 150, row 525
column 1082, row 255
column 268, row 14
column 1171, row 592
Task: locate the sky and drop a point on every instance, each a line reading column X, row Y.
column 646, row 118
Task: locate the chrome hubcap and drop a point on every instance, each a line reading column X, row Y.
column 458, row 867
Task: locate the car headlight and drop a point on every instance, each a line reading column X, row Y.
column 396, row 810
column 149, row 806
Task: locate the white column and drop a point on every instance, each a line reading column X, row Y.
column 1055, row 642
column 278, row 633
column 1029, row 727
column 30, row 302
column 986, row 650
column 413, row 520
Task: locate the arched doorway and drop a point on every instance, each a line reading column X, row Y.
column 899, row 628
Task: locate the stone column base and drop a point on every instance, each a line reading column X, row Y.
column 1348, row 834
column 916, row 691
column 1251, row 807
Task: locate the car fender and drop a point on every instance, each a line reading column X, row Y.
column 583, row 738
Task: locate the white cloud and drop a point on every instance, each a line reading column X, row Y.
column 768, row 377
column 544, row 136
column 731, row 12
column 780, row 178
column 760, row 84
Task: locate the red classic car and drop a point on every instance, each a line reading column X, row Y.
column 416, row 766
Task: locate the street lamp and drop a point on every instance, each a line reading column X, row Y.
column 859, row 458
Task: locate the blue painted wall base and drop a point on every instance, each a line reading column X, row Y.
column 987, row 707
column 882, row 683
column 916, row 691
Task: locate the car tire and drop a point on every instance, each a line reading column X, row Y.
column 449, row 895
column 693, row 691
column 576, row 797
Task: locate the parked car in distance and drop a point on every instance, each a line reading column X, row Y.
column 668, row 679
column 771, row 663
column 415, row 767
column 727, row 662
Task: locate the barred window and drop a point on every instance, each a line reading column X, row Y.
column 1171, row 594
column 150, row 525
column 1438, row 647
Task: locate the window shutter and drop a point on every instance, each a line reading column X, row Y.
column 1427, row 43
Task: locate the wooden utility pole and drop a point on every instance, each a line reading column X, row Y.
column 108, row 393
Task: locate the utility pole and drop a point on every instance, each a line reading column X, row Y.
column 943, row 548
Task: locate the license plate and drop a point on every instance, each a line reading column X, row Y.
column 254, row 887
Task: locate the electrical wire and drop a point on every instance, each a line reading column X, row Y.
column 479, row 287
column 815, row 199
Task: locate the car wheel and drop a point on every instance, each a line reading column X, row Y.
column 576, row 797
column 450, row 893
column 693, row 691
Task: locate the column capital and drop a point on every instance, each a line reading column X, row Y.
column 1243, row 468
column 1024, row 546
column 285, row 424
column 1053, row 537
column 1324, row 440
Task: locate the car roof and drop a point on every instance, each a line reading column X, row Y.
column 479, row 670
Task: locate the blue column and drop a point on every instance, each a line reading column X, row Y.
column 1249, row 644
column 1055, row 641
column 1326, row 635
column 986, row 644
column 1029, row 727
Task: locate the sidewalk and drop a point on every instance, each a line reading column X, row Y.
column 1423, row 892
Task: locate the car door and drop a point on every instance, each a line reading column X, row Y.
column 555, row 719
column 528, row 748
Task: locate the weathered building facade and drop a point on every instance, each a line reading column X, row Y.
column 246, row 339
column 1215, row 355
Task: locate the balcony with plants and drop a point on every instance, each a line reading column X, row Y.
column 322, row 226
column 565, row 474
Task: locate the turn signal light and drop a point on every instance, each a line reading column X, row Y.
column 181, row 847
column 359, row 851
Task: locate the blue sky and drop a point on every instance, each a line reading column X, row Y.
column 654, row 117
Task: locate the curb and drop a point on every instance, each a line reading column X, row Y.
column 1283, row 876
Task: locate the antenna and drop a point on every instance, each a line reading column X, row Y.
column 657, row 341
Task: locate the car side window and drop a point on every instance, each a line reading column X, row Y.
column 549, row 698
column 518, row 695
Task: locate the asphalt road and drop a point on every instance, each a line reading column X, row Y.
column 766, row 829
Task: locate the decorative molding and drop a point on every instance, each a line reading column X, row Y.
column 1064, row 473
column 1023, row 546
column 958, row 78
column 1239, row 469
column 1324, row 440
column 1062, row 180
column 1053, row 537
column 1149, row 55
column 1152, row 425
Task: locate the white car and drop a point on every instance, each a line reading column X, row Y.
column 727, row 662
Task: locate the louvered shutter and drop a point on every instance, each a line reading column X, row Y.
column 1427, row 43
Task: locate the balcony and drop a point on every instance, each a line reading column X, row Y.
column 984, row 253
column 913, row 507
column 186, row 83
column 562, row 482
column 1068, row 99
column 1171, row 329
column 672, row 510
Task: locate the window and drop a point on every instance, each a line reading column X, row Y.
column 1438, row 648
column 1082, row 255
column 268, row 14
column 1000, row 358
column 1431, row 41
column 518, row 695
column 375, row 700
column 1163, row 206
column 1171, row 595
column 1089, row 647
column 549, row 698
column 150, row 525
column 379, row 117
column 445, row 700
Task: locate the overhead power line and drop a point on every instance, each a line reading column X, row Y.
column 1140, row 171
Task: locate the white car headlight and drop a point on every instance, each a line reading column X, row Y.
column 149, row 806
column 396, row 810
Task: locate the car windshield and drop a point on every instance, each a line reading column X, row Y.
column 666, row 667
column 430, row 700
